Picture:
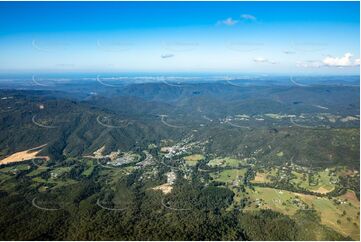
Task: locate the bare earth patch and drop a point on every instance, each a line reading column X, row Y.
column 24, row 155
column 260, row 178
column 165, row 188
column 351, row 196
column 322, row 190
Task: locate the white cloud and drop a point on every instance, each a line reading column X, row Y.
column 231, row 21
column 167, row 56
column 228, row 22
column 263, row 60
column 344, row 61
column 309, row 64
column 248, row 17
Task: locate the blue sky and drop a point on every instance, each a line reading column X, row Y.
column 234, row 37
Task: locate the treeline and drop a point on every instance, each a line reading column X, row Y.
column 206, row 215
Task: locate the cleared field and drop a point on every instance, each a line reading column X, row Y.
column 344, row 171
column 90, row 168
column 342, row 217
column 23, row 156
column 56, row 183
column 278, row 200
column 116, row 174
column 60, row 171
column 280, row 154
column 36, row 172
column 227, row 161
column 323, row 182
column 11, row 169
column 264, row 176
column 192, row 160
column 40, row 180
column 230, row 176
column 63, row 183
column 340, row 214
column 260, row 178
column 165, row 188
